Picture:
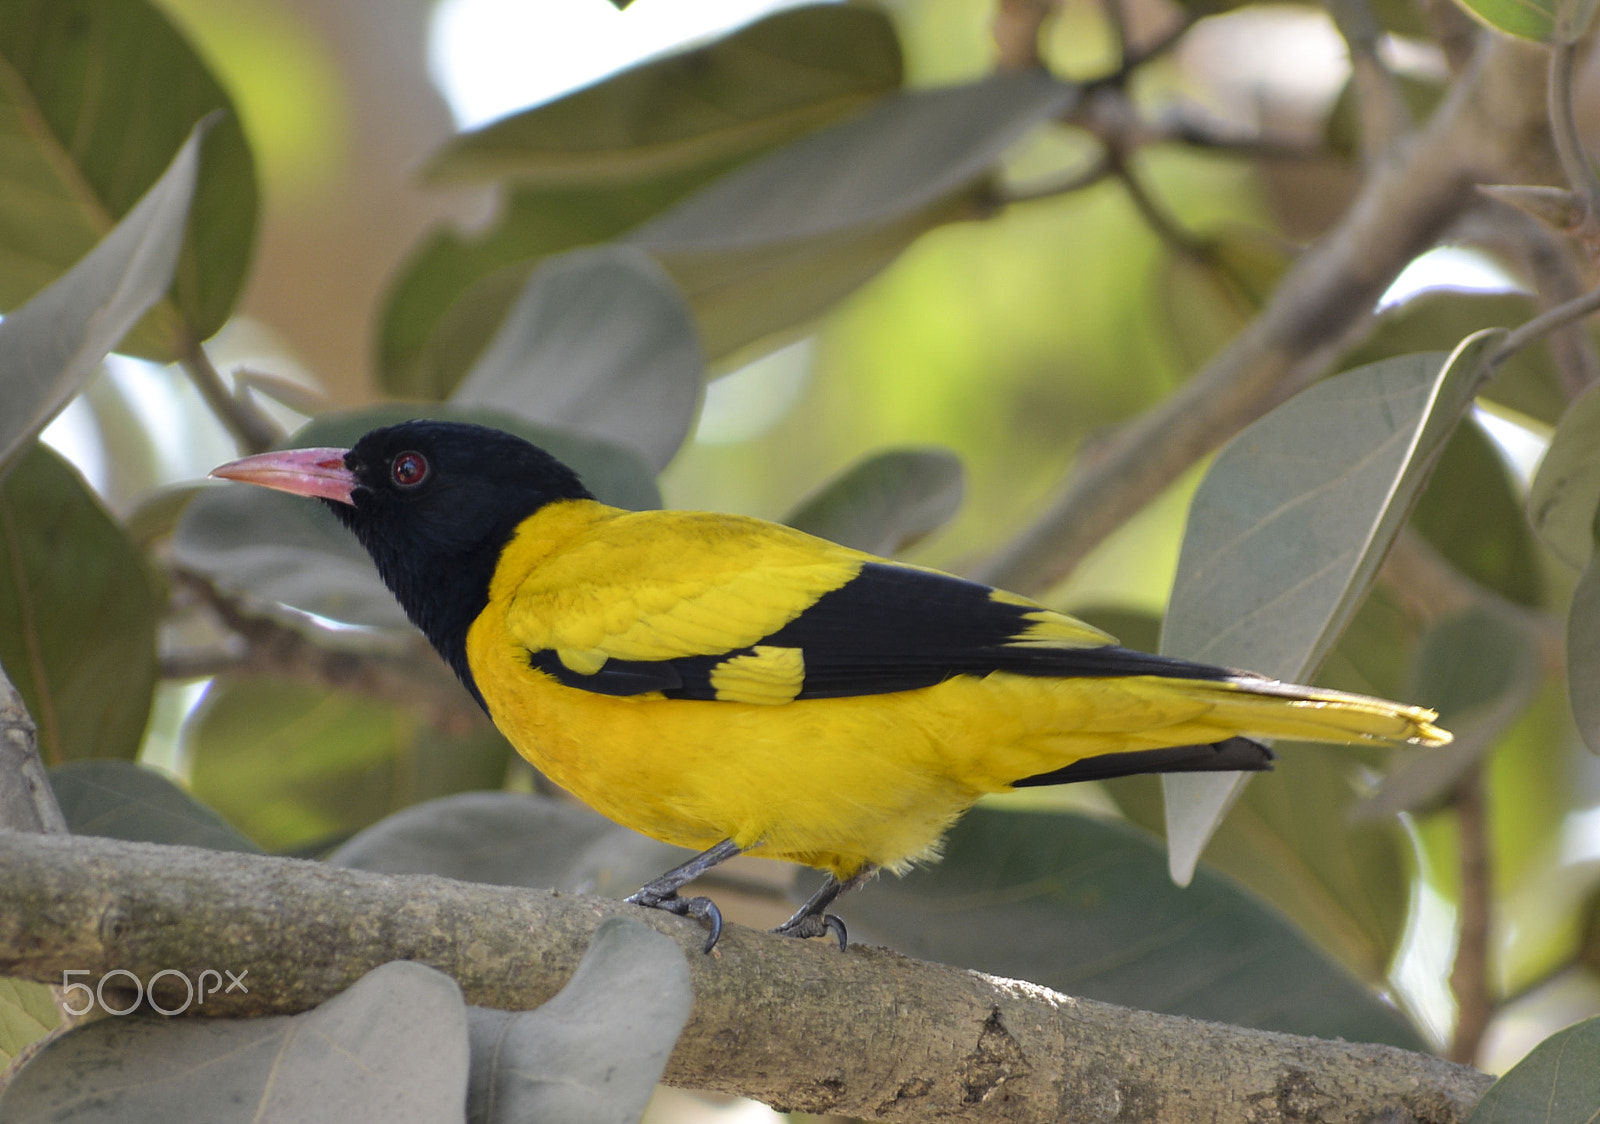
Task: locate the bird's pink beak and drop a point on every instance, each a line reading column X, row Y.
column 301, row 472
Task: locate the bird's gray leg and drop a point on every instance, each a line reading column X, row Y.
column 810, row 920
column 662, row 893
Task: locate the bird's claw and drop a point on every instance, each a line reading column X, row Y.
column 806, row 925
column 701, row 909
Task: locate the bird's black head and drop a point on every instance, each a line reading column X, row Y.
column 434, row 503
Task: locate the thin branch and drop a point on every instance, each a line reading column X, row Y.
column 795, row 1024
column 414, row 678
column 1017, row 24
column 1469, row 977
column 1380, row 105
column 1575, row 163
column 1098, row 170
column 251, row 427
column 1485, row 127
column 1545, row 323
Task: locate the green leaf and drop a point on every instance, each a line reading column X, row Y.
column 1526, row 19
column 78, row 613
column 123, row 800
column 601, row 343
column 1289, row 526
column 1557, row 1083
column 1288, row 839
column 53, row 344
column 1583, row 655
column 1479, row 669
column 397, row 1038
column 292, row 551
column 594, row 1052
column 454, row 291
column 1085, row 906
column 775, row 242
column 762, row 86
column 296, row 767
column 1566, row 490
column 96, row 97
column 27, row 1013
column 510, row 839
column 1472, row 513
column 886, row 502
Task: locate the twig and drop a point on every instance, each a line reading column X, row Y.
column 251, row 427
column 1322, row 304
column 1077, row 181
column 1380, row 104
column 415, row 679
column 1469, row 977
column 1575, row 164
column 1545, row 323
column 796, row 1024
column 1017, row 24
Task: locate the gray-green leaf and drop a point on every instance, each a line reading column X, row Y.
column 1289, row 526
column 592, row 1054
column 886, row 502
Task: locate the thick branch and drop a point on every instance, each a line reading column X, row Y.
column 1493, row 118
column 868, row 1033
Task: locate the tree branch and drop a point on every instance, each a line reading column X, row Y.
column 1493, row 118
column 795, row 1024
column 252, row 428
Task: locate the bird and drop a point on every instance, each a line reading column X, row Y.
column 733, row 685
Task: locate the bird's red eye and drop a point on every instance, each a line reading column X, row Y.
column 409, row 469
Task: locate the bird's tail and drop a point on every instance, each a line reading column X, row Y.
column 1266, row 708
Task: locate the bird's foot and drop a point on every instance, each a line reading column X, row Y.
column 806, row 925
column 701, row 909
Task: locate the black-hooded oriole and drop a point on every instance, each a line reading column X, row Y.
column 733, row 685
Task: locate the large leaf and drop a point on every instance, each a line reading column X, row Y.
column 599, row 342
column 50, row 346
column 281, row 548
column 96, row 97
column 1288, row 840
column 1289, row 526
column 1479, row 669
column 123, row 800
column 762, row 86
column 455, row 289
column 1472, row 512
column 510, row 839
column 296, row 767
column 1558, row 1083
column 1565, row 496
column 78, row 613
column 593, row 1053
column 1436, row 319
column 886, row 502
column 396, row 1039
column 1086, row 907
column 774, row 242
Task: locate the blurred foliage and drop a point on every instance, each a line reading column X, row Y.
column 834, row 267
